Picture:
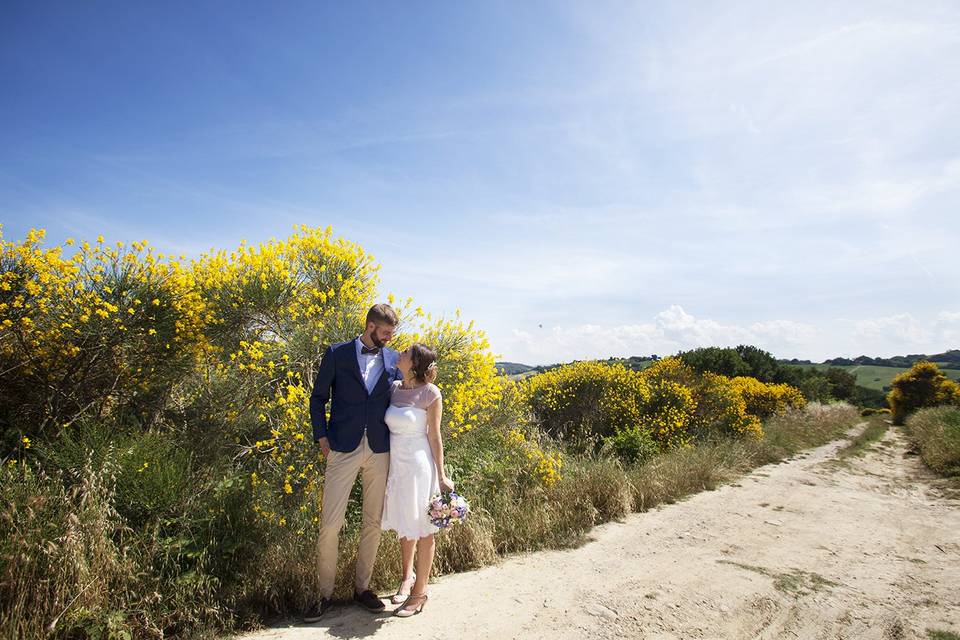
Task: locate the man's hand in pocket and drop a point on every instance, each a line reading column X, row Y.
column 324, row 445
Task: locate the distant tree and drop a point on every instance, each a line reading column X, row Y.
column 866, row 397
column 763, row 366
column 724, row 361
column 815, row 386
column 843, row 384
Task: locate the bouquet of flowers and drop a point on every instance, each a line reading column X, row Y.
column 447, row 509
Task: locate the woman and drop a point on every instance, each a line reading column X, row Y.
column 416, row 471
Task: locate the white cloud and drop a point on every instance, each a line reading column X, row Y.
column 674, row 329
column 947, row 326
column 902, row 327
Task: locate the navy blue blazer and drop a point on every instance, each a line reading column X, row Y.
column 352, row 409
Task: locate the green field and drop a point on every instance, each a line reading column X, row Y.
column 872, row 376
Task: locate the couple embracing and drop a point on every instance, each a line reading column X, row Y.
column 384, row 424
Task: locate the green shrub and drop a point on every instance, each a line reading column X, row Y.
column 866, row 397
column 634, row 445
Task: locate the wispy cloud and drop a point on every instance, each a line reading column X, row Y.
column 674, row 329
column 636, row 178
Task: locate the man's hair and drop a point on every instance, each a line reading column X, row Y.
column 382, row 314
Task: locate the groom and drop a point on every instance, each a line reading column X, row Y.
column 356, row 377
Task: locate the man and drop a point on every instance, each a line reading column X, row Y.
column 356, row 377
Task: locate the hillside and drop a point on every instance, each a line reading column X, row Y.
column 947, row 360
column 873, row 376
column 512, row 368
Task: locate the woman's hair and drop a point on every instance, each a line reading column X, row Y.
column 423, row 362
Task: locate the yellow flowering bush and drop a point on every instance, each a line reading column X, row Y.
column 923, row 385
column 718, row 407
column 668, row 405
column 466, row 370
column 592, row 401
column 186, row 385
column 544, row 467
column 722, row 410
column 585, row 400
column 229, row 342
column 764, row 399
column 274, row 309
column 104, row 330
column 668, row 411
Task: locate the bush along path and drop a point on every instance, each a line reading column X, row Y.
column 860, row 544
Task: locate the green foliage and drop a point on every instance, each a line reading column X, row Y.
column 842, row 383
column 866, row 397
column 813, row 385
column 744, row 360
column 761, row 364
column 633, row 445
column 724, row 361
column 752, row 362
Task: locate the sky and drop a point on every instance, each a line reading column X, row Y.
column 582, row 179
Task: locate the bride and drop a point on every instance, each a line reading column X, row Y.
column 416, row 471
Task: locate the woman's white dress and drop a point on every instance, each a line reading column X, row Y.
column 412, row 479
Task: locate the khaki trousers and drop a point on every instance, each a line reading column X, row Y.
column 340, row 475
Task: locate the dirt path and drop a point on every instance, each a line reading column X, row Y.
column 810, row 548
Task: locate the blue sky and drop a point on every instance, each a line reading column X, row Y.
column 584, row 179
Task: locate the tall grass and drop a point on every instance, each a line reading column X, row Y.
column 673, row 475
column 73, row 566
column 936, row 432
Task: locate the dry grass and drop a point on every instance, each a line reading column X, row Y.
column 936, row 432
column 671, row 476
column 72, row 568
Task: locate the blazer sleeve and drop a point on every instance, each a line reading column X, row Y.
column 321, row 395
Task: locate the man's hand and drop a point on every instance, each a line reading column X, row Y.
column 324, row 445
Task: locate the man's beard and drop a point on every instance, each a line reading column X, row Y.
column 375, row 339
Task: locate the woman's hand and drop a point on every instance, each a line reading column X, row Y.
column 446, row 484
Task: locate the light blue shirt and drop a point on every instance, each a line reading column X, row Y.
column 371, row 366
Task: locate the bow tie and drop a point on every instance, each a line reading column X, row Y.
column 370, row 351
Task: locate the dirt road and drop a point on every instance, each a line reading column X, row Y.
column 809, row 548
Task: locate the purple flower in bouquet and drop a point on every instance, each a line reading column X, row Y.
column 447, row 509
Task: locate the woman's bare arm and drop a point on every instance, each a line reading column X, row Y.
column 434, row 412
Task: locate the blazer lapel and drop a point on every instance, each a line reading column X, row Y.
column 354, row 363
column 389, row 364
